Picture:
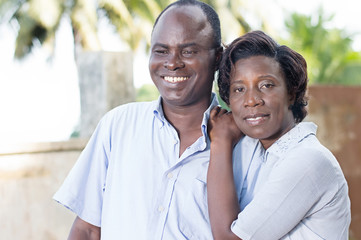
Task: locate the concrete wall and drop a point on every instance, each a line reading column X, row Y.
column 29, row 176
column 337, row 112
column 31, row 173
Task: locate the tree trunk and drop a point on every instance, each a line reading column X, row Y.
column 105, row 81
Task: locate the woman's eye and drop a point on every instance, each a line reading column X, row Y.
column 240, row 89
column 267, row 85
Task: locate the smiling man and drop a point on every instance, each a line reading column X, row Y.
column 143, row 173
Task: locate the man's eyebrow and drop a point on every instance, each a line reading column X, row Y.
column 188, row 45
column 160, row 45
column 184, row 45
column 180, row 46
column 194, row 44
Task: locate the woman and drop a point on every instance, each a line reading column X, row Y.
column 294, row 187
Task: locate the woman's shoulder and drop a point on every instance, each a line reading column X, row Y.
column 310, row 155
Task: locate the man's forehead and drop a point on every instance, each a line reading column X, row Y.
column 182, row 22
column 191, row 11
column 190, row 16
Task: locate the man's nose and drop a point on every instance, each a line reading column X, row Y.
column 173, row 62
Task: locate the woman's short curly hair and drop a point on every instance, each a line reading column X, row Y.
column 292, row 64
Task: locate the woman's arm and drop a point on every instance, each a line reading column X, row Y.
column 82, row 230
column 223, row 203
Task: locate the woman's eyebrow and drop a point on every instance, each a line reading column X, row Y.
column 266, row 76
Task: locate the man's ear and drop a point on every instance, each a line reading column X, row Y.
column 219, row 52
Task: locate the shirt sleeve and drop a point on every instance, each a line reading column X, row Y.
column 82, row 190
column 296, row 185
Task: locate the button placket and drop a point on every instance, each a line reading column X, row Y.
column 169, row 192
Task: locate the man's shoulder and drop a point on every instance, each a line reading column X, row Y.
column 129, row 113
column 133, row 108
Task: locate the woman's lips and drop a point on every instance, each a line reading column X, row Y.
column 256, row 119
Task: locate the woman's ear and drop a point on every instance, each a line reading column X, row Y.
column 291, row 99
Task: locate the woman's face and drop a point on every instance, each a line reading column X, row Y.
column 259, row 100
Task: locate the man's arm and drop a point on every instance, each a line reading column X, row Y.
column 223, row 203
column 82, row 230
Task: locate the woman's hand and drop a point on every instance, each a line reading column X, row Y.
column 221, row 126
column 223, row 204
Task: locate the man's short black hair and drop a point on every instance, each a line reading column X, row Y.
column 210, row 13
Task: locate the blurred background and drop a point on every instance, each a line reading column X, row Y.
column 64, row 63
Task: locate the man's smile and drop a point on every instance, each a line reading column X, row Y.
column 175, row 79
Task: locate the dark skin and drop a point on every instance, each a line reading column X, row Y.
column 223, row 202
column 182, row 65
column 82, row 230
column 186, row 125
column 259, row 99
column 260, row 105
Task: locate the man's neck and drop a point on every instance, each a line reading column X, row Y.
column 182, row 117
column 187, row 121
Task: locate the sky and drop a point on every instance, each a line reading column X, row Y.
column 39, row 100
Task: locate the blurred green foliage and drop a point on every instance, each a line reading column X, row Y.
column 147, row 92
column 36, row 21
column 328, row 51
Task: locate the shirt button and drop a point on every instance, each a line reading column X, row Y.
column 175, row 142
column 170, row 175
column 160, row 209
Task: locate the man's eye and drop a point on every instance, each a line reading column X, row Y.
column 161, row 52
column 188, row 53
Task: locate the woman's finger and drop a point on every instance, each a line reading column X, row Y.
column 214, row 112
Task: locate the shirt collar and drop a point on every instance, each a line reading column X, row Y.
column 214, row 102
column 292, row 137
column 159, row 114
column 158, row 110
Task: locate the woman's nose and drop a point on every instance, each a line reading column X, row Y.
column 253, row 99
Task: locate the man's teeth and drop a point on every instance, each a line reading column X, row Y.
column 175, row 79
